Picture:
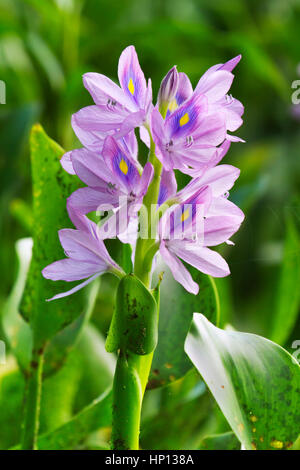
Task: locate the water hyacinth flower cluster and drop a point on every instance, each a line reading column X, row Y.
column 188, row 130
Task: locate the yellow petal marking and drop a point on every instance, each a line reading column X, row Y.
column 173, row 105
column 131, row 86
column 184, row 120
column 123, row 167
column 185, row 215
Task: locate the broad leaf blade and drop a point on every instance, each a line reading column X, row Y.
column 225, row 441
column 255, row 382
column 288, row 293
column 71, row 434
column 61, row 344
column 176, row 312
column 16, row 329
column 51, row 186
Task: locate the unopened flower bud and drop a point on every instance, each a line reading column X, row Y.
column 168, row 89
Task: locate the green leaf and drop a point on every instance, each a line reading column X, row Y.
column 17, row 331
column 11, row 391
column 225, row 441
column 288, row 292
column 261, row 63
column 97, row 366
column 59, row 394
column 255, row 382
column 51, row 186
column 176, row 312
column 74, row 432
column 134, row 323
column 185, row 404
column 62, row 343
column 22, row 212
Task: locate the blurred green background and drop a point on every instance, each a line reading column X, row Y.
column 46, row 46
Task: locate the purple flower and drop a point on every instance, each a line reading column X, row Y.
column 192, row 138
column 87, row 257
column 203, row 218
column 168, row 88
column 198, row 121
column 128, row 142
column 117, row 110
column 113, row 180
column 214, row 84
column 189, row 136
column 168, row 186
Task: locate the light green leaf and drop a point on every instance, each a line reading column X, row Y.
column 51, row 186
column 17, row 331
column 225, row 441
column 176, row 313
column 255, row 382
column 46, row 59
column 75, row 431
column 62, row 343
column 97, row 366
column 288, row 293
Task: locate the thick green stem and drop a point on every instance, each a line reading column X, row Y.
column 130, row 381
column 32, row 402
column 132, row 370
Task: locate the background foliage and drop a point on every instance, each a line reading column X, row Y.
column 45, row 47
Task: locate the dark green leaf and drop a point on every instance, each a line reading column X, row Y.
column 226, row 441
column 288, row 293
column 51, row 186
column 73, row 433
column 17, row 331
column 61, row 344
column 176, row 311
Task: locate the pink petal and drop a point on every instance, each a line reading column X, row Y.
column 220, row 179
column 131, row 77
column 210, row 131
column 146, row 179
column 130, row 144
column 99, row 118
column 87, row 200
column 202, row 258
column 179, row 271
column 159, row 137
column 215, row 85
column 66, row 163
column 168, row 186
column 185, row 89
column 231, row 64
column 186, row 119
column 144, row 136
column 121, row 164
column 91, row 168
column 221, row 206
column 71, row 270
column 75, row 289
column 133, row 120
column 74, row 243
column 92, row 140
column 103, row 89
column 219, row 229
